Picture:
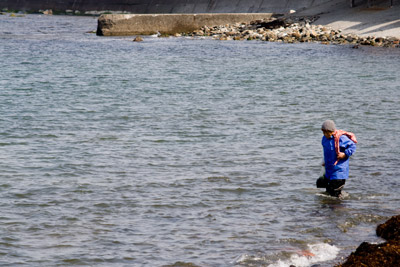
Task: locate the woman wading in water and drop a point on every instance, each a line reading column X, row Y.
column 338, row 146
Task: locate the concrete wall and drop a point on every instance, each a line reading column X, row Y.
column 163, row 6
column 146, row 24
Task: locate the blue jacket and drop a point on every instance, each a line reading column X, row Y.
column 341, row 169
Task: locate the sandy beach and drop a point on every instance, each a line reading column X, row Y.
column 379, row 20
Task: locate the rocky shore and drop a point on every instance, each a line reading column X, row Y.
column 386, row 254
column 289, row 30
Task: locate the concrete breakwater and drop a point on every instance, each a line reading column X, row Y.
column 146, row 24
column 248, row 26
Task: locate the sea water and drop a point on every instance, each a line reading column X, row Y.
column 181, row 151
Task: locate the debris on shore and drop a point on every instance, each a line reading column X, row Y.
column 386, row 254
column 289, row 30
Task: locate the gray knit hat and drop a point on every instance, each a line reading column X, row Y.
column 328, row 125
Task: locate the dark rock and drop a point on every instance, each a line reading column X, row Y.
column 375, row 255
column 390, row 230
column 273, row 24
column 379, row 255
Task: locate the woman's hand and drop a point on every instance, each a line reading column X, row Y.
column 341, row 155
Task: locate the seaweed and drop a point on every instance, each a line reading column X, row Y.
column 386, row 254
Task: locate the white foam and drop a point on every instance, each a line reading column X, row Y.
column 325, row 194
column 321, row 252
column 316, row 253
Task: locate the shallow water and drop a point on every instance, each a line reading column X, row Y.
column 175, row 150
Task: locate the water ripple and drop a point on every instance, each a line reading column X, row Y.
column 185, row 152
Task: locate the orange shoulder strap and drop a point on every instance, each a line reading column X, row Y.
column 337, row 134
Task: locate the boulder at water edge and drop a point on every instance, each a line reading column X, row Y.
column 386, row 254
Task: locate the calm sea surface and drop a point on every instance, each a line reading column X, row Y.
column 178, row 151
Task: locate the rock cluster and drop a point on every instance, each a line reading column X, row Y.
column 386, row 254
column 289, row 30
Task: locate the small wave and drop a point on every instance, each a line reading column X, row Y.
column 316, row 253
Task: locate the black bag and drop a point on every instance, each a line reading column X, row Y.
column 322, row 182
